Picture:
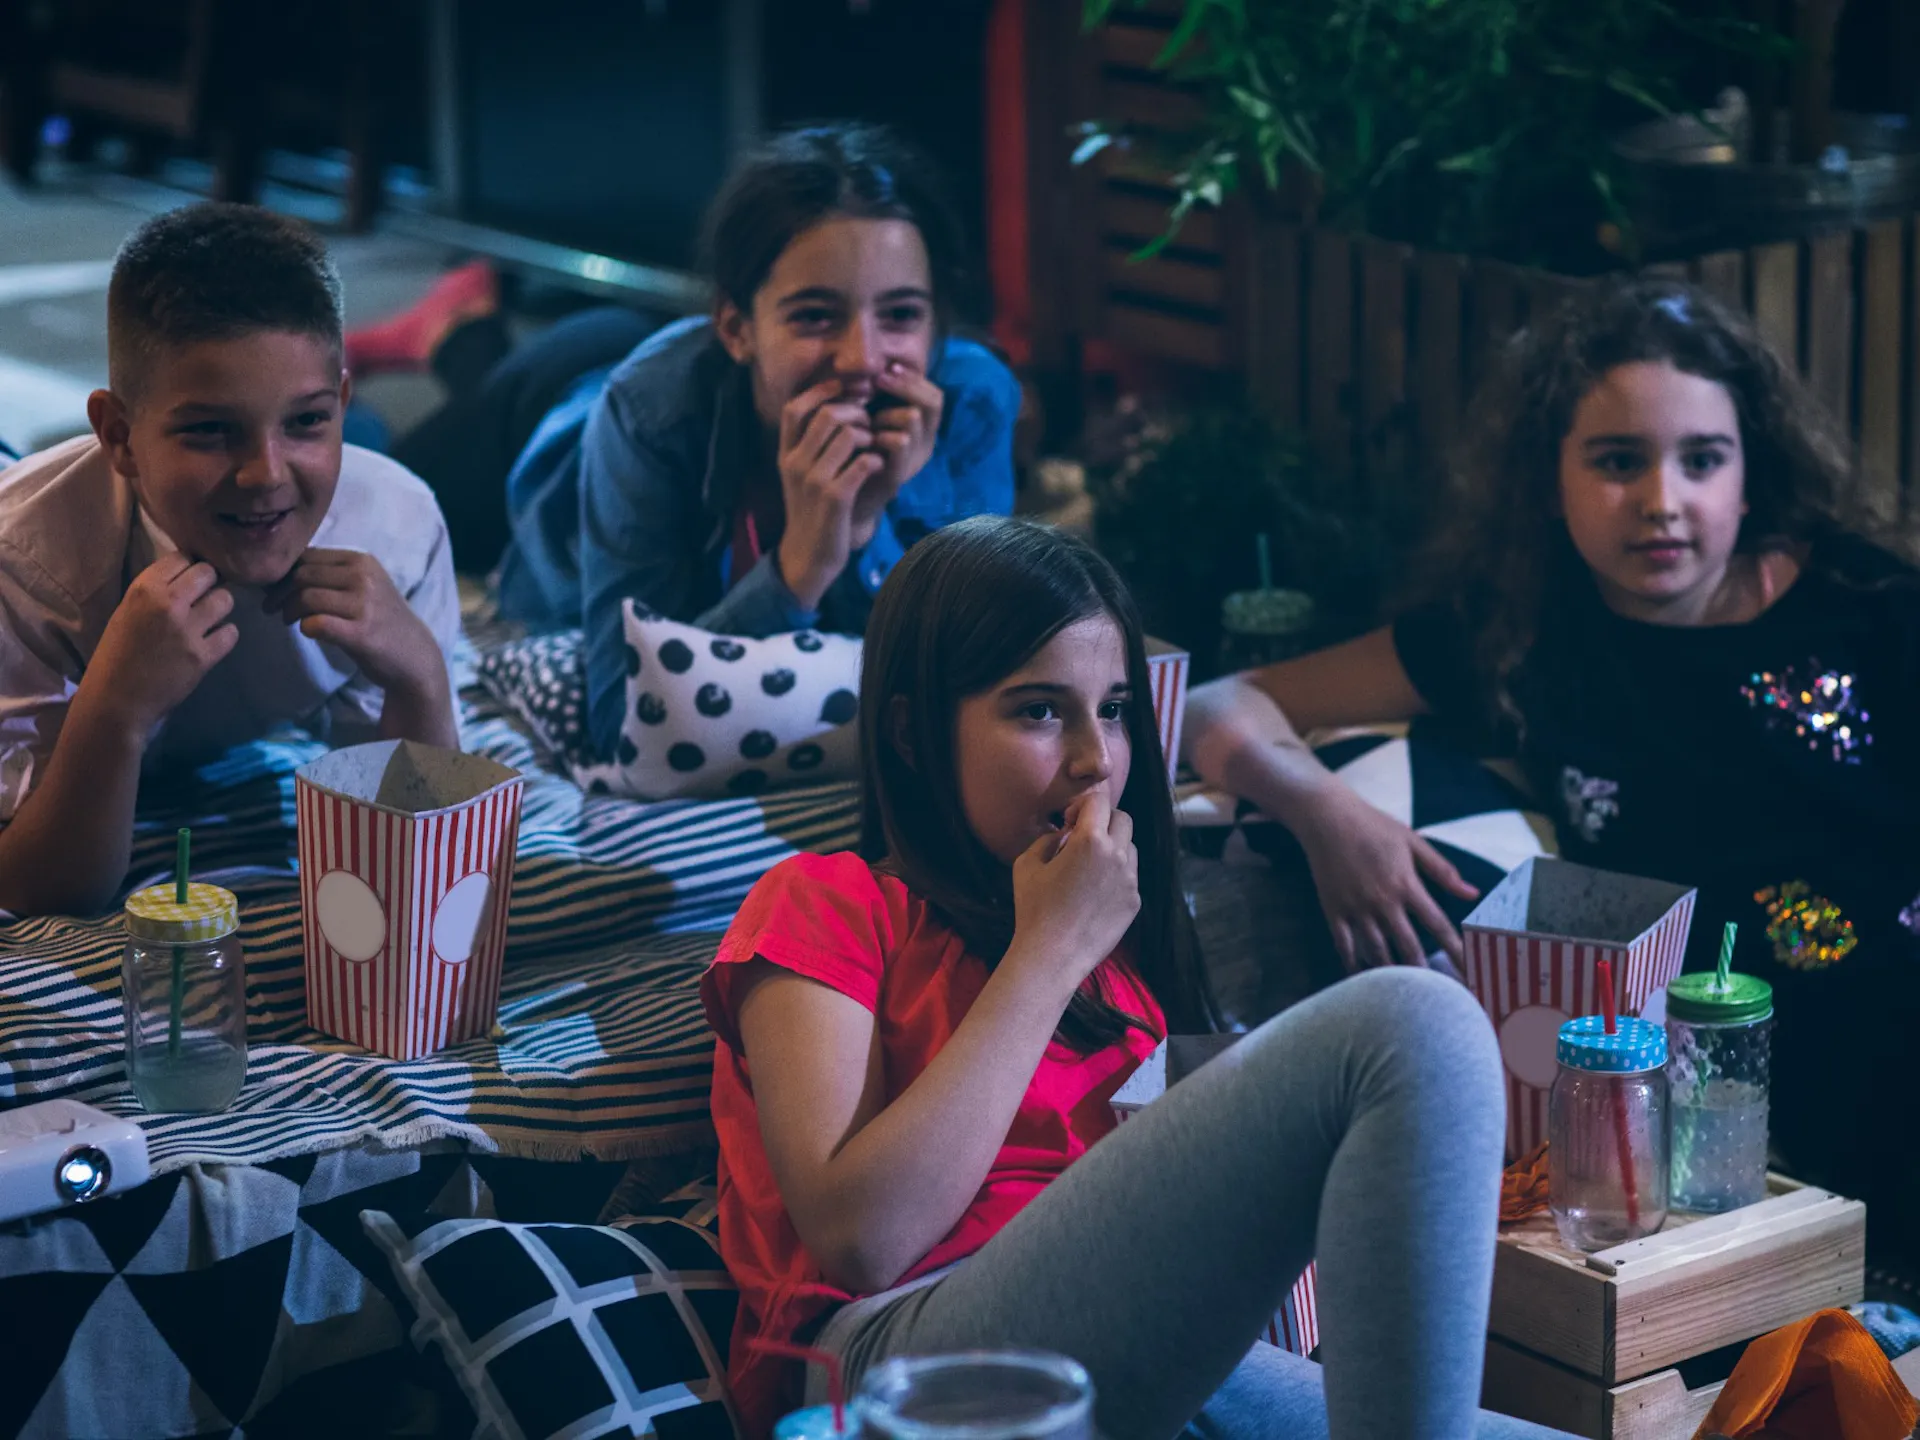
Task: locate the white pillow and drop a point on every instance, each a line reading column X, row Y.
column 714, row 715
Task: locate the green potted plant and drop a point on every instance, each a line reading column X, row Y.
column 1219, row 502
column 1479, row 126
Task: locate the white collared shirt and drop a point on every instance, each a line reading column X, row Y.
column 72, row 538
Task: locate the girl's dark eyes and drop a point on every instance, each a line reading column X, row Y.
column 1703, row 462
column 1110, row 710
column 905, row 317
column 1617, row 463
column 811, row 319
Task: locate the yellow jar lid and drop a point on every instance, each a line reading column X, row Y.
column 154, row 914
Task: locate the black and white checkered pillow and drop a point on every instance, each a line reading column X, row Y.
column 573, row 1330
column 543, row 680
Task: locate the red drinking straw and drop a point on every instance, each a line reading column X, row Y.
column 836, row 1385
column 1621, row 1136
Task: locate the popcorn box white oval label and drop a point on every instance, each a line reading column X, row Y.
column 1533, row 950
column 406, row 865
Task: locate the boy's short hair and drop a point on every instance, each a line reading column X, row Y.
column 215, row 272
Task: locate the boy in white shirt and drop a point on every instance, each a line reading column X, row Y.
column 211, row 563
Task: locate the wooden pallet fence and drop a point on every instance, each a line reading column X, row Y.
column 1373, row 349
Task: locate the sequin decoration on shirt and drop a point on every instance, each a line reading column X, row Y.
column 1591, row 802
column 1807, row 930
column 1825, row 711
column 1910, row 916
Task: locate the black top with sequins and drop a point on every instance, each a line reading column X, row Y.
column 1775, row 765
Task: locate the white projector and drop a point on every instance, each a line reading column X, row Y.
column 59, row 1153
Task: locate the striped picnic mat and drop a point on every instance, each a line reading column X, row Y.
column 617, row 907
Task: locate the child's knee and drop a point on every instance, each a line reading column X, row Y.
column 1431, row 1023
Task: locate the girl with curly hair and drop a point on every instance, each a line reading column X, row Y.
column 1668, row 591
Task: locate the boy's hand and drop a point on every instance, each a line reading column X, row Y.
column 346, row 598
column 169, row 630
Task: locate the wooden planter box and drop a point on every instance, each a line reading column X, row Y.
column 1372, row 348
column 1586, row 1343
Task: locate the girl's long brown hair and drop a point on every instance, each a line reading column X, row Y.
column 964, row 609
column 1504, row 546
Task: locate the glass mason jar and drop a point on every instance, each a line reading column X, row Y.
column 1719, row 1044
column 1607, row 1136
column 977, row 1395
column 185, row 995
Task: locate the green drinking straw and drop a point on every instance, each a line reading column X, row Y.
column 1266, row 561
column 1725, row 972
column 182, row 856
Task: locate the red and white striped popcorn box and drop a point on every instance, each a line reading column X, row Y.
column 1533, row 950
column 1167, row 671
column 1295, row 1326
column 406, row 866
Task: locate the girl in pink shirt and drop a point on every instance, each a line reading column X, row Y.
column 919, row 1044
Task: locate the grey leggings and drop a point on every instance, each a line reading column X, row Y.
column 1362, row 1127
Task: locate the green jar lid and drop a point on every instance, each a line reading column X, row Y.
column 1700, row 999
column 1267, row 612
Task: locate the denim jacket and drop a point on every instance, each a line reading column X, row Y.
column 629, row 489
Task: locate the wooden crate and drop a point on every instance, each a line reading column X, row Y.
column 1587, row 1343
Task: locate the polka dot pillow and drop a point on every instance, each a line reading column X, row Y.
column 712, row 715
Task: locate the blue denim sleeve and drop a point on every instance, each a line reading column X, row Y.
column 979, row 440
column 760, row 604
column 634, row 520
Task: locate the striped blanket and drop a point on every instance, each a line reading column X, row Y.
column 615, row 912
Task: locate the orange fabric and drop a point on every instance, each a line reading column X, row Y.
column 1822, row 1378
column 1523, row 1186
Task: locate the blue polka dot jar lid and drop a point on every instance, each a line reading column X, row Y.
column 1638, row 1045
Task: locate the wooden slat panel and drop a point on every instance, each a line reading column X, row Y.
column 1124, row 163
column 1149, row 332
column 1497, row 312
column 1547, row 292
column 1723, row 276
column 1142, row 218
column 1236, row 280
column 1273, row 305
column 165, row 105
column 1180, row 280
column 1329, row 352
column 1912, row 392
column 1383, row 367
column 1880, row 336
column 1131, row 46
column 1439, row 354
column 1830, row 322
column 1052, row 189
column 1776, row 298
column 1081, row 280
column 1161, row 106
